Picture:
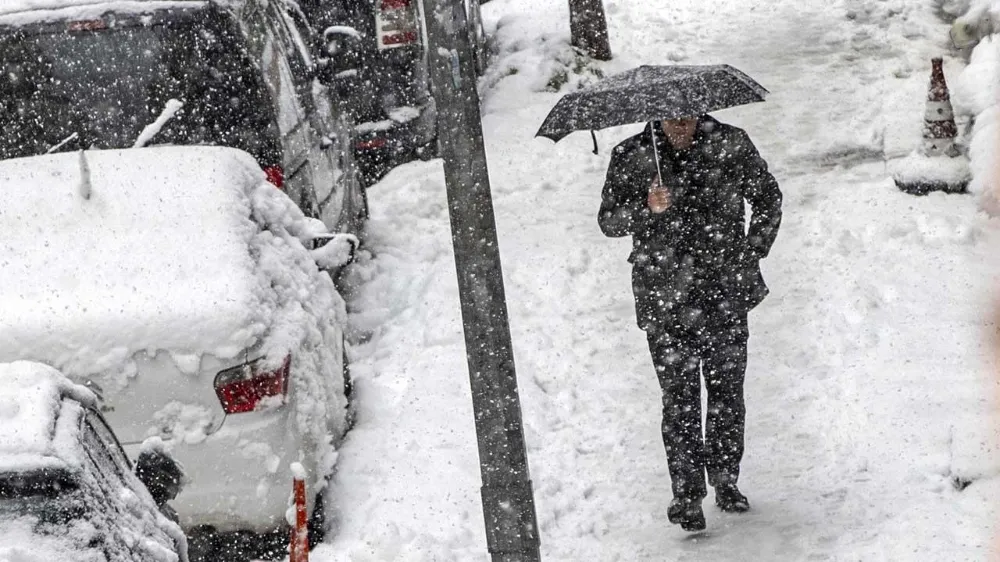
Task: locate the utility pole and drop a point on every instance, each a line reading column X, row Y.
column 589, row 28
column 508, row 501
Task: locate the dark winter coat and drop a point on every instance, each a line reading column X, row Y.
column 695, row 263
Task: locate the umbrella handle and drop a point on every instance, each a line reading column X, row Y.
column 593, row 135
column 656, row 153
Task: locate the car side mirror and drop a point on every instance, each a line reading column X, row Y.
column 334, row 251
column 159, row 471
column 343, row 47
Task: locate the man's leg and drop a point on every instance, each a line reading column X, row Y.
column 677, row 368
column 725, row 362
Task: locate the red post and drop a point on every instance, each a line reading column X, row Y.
column 299, row 549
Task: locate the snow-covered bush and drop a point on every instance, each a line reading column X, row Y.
column 548, row 63
column 976, row 94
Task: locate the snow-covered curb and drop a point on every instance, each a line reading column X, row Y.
column 933, row 170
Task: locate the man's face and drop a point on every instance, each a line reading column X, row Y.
column 682, row 128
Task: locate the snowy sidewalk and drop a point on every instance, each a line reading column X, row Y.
column 869, row 390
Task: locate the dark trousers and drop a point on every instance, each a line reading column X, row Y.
column 719, row 353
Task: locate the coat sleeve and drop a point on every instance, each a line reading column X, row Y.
column 623, row 212
column 762, row 193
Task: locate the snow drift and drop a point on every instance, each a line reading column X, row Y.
column 976, row 94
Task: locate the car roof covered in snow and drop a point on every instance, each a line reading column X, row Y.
column 136, row 6
column 34, row 432
column 23, row 12
column 109, row 253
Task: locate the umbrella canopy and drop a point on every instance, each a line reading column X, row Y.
column 650, row 93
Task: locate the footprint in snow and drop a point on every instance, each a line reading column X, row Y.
column 578, row 261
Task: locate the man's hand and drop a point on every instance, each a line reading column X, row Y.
column 658, row 199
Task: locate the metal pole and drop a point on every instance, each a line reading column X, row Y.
column 589, row 28
column 508, row 502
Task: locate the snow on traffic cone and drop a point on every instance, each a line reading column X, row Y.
column 938, row 164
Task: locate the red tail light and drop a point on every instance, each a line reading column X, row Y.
column 276, row 176
column 87, row 25
column 242, row 389
column 399, row 38
column 398, row 23
column 371, row 144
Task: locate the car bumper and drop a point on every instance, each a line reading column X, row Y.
column 238, row 478
column 393, row 136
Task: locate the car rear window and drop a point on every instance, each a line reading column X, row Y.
column 102, row 86
column 42, row 482
column 51, row 495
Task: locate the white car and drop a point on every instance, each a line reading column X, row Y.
column 67, row 491
column 186, row 290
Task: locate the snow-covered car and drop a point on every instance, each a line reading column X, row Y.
column 67, row 490
column 238, row 73
column 381, row 45
column 187, row 289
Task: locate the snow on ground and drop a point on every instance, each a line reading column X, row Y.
column 871, row 427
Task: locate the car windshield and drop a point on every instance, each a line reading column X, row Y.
column 102, row 85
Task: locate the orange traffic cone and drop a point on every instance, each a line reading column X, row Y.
column 939, row 117
column 938, row 164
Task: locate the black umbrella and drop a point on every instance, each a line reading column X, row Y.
column 651, row 93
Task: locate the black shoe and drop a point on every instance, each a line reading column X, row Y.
column 730, row 500
column 687, row 514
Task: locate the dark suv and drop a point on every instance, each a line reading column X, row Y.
column 380, row 45
column 94, row 77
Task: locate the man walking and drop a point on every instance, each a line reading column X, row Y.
column 679, row 189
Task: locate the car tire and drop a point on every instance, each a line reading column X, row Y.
column 201, row 544
column 317, row 522
column 206, row 545
column 350, row 416
column 364, row 213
